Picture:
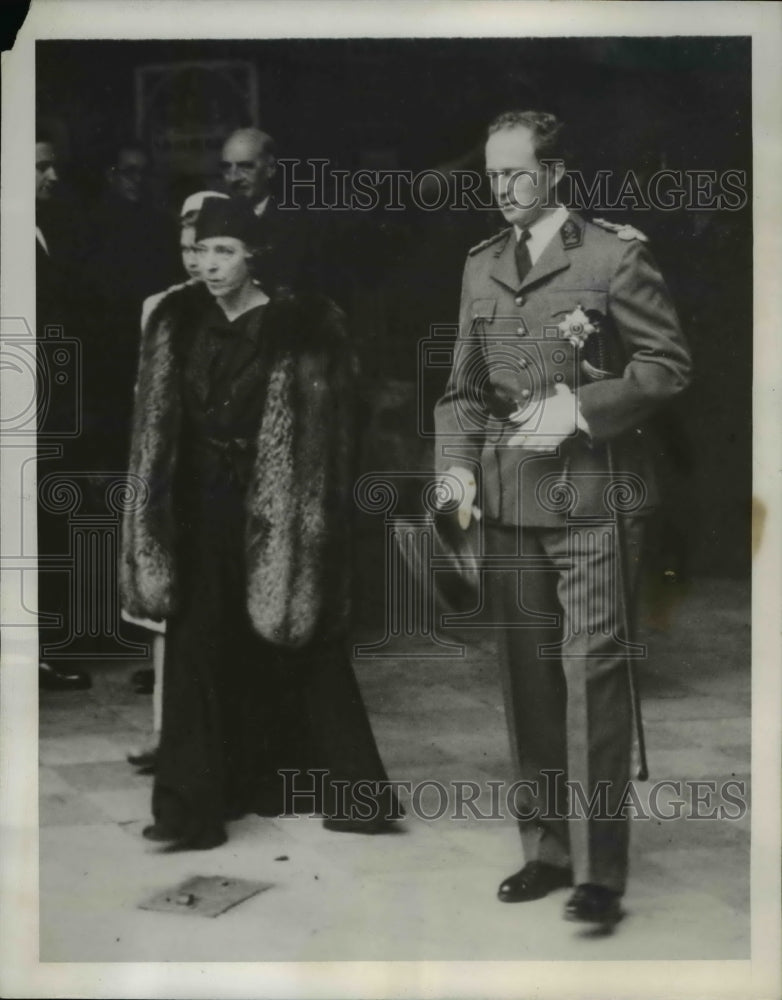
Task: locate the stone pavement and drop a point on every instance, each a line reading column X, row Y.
column 427, row 892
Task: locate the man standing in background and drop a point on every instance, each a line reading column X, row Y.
column 248, row 164
column 568, row 341
column 54, row 245
column 133, row 254
column 300, row 240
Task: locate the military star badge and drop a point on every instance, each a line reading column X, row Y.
column 577, row 327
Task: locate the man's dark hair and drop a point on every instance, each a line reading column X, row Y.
column 547, row 131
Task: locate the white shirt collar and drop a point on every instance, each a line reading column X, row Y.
column 260, row 208
column 542, row 230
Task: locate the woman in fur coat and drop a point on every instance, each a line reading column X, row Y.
column 242, row 453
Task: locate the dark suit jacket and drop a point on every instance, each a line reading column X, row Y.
column 510, row 353
column 309, row 251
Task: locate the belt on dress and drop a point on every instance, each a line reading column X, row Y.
column 235, row 454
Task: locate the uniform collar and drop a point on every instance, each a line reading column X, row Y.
column 554, row 257
column 543, row 230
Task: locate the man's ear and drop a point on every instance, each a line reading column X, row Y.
column 271, row 166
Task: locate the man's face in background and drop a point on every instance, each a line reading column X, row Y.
column 190, row 258
column 46, row 177
column 128, row 178
column 247, row 168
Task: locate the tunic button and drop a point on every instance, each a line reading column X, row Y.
column 519, row 300
column 523, row 363
column 525, row 393
column 521, row 331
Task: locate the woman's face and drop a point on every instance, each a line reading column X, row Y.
column 187, row 244
column 223, row 263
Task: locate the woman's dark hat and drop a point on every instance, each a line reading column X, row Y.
column 228, row 217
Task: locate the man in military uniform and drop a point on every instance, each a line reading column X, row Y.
column 568, row 342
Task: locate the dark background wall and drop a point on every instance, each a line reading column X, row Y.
column 640, row 104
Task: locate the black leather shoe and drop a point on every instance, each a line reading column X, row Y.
column 535, row 880
column 62, row 678
column 594, row 904
column 158, row 833
column 197, row 842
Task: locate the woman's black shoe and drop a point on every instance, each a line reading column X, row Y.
column 369, row 826
column 159, row 833
column 197, row 842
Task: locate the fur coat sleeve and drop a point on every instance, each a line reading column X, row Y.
column 299, row 497
column 299, row 501
column 147, row 570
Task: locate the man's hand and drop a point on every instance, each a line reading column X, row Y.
column 559, row 420
column 458, row 484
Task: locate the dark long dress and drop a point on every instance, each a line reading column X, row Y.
column 235, row 708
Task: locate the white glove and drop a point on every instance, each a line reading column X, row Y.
column 560, row 419
column 459, row 484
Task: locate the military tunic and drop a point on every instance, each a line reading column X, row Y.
column 512, row 351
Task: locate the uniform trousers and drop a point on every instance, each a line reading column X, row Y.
column 566, row 691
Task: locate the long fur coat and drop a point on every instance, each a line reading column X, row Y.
column 299, row 498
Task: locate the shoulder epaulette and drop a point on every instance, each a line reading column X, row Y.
column 623, row 231
column 489, row 241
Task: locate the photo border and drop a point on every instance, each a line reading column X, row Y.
column 759, row 977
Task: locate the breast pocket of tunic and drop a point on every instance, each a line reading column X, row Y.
column 512, row 367
column 482, row 312
column 582, row 313
column 482, row 363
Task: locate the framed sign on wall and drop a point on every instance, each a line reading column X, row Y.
column 184, row 110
